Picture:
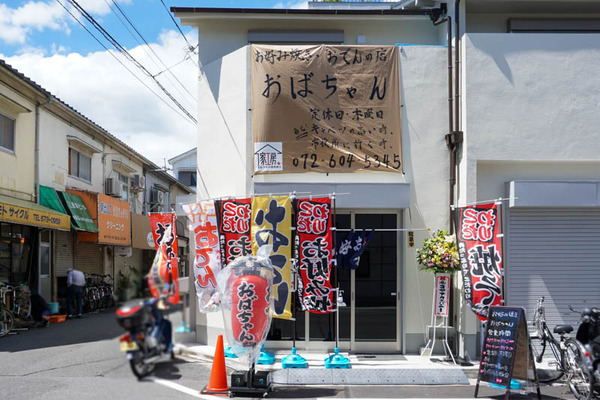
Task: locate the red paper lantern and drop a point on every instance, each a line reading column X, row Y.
column 249, row 308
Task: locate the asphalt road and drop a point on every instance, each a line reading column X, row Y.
column 80, row 359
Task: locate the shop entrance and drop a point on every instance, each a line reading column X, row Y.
column 369, row 321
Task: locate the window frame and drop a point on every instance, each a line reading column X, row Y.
column 13, row 122
column 77, row 174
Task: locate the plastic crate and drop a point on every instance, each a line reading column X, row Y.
column 57, row 318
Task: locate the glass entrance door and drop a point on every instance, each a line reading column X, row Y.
column 376, row 280
column 371, row 292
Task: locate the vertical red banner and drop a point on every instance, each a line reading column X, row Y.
column 235, row 220
column 164, row 269
column 480, row 254
column 314, row 254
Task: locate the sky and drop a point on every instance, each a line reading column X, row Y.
column 116, row 82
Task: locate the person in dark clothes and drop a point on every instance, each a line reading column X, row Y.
column 40, row 311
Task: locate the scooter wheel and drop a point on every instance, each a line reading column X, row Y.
column 138, row 367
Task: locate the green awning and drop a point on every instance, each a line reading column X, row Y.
column 49, row 198
column 80, row 217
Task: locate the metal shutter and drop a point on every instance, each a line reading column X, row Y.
column 63, row 252
column 553, row 252
column 88, row 258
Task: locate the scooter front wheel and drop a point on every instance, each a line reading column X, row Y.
column 139, row 367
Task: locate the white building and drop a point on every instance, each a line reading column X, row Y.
column 525, row 87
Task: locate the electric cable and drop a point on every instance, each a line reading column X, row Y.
column 119, row 61
column 130, row 22
column 124, row 51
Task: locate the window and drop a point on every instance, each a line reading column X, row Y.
column 80, row 165
column 188, row 178
column 7, row 133
column 124, row 179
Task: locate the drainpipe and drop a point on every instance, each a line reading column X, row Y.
column 452, row 107
column 36, row 157
column 455, row 137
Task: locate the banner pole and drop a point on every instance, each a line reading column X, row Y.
column 337, row 308
column 501, row 234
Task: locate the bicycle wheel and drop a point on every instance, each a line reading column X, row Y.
column 7, row 321
column 578, row 369
column 25, row 308
column 549, row 368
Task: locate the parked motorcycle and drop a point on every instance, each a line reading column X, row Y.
column 148, row 337
column 584, row 374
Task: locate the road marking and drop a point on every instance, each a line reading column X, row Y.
column 181, row 388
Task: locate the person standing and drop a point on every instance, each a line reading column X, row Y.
column 75, row 284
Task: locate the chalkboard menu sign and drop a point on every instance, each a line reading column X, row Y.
column 506, row 351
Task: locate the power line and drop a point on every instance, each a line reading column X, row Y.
column 119, row 61
column 147, row 44
column 176, row 25
column 124, row 51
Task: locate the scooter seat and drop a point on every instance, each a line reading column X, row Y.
column 560, row 329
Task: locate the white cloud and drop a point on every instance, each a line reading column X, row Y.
column 101, row 89
column 17, row 23
column 302, row 4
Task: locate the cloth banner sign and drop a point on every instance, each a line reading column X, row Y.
column 442, row 290
column 234, row 218
column 325, row 108
column 480, row 255
column 165, row 271
column 272, row 224
column 350, row 248
column 207, row 255
column 314, row 250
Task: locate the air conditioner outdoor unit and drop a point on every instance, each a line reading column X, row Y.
column 157, row 196
column 113, row 187
column 138, row 182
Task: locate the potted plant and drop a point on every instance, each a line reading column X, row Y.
column 123, row 284
column 439, row 253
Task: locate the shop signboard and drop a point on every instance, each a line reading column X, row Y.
column 111, row 216
column 28, row 213
column 325, row 108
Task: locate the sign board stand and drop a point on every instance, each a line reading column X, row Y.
column 439, row 315
column 506, row 351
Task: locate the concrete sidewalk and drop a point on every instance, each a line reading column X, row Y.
column 365, row 368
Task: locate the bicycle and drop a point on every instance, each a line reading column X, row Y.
column 17, row 299
column 546, row 339
column 7, row 319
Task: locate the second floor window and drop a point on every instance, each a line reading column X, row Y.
column 124, row 179
column 7, row 133
column 80, row 165
column 188, row 178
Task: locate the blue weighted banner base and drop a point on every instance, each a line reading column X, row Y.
column 294, row 360
column 265, row 357
column 229, row 353
column 514, row 385
column 337, row 360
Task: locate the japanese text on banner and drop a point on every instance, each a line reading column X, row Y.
column 480, row 254
column 207, row 257
column 272, row 224
column 314, row 254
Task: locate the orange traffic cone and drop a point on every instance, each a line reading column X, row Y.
column 218, row 374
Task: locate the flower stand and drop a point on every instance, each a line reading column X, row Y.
column 439, row 315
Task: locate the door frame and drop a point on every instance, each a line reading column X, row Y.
column 353, row 344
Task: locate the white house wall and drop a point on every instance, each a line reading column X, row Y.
column 424, row 123
column 54, row 160
column 17, row 177
column 525, row 107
